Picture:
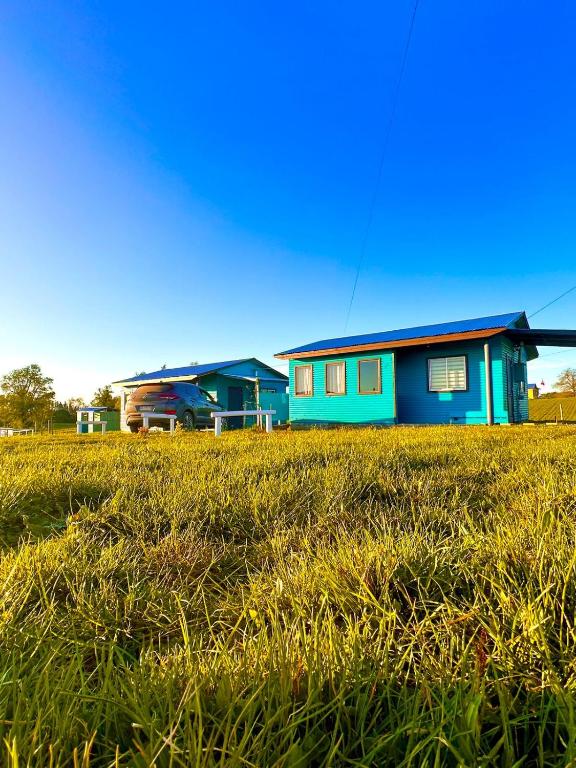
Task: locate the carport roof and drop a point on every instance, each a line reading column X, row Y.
column 545, row 337
column 186, row 371
column 193, row 371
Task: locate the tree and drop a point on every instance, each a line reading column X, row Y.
column 75, row 404
column 62, row 415
column 567, row 382
column 104, row 398
column 27, row 397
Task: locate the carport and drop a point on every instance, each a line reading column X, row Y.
column 238, row 385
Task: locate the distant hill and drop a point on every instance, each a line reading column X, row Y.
column 548, row 409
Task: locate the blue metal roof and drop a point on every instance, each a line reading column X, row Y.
column 405, row 334
column 187, row 370
column 93, row 408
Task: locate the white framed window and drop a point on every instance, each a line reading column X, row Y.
column 336, row 378
column 447, row 374
column 303, row 384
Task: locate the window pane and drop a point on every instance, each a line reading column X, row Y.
column 335, row 378
column 369, row 376
column 447, row 373
column 303, row 380
column 437, row 373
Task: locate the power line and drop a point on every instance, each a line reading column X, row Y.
column 553, row 301
column 387, row 133
column 560, row 352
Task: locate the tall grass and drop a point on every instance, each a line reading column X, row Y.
column 400, row 597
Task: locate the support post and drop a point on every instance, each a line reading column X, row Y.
column 123, row 425
column 488, row 377
column 268, row 422
column 217, row 426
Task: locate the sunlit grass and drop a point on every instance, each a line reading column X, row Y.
column 400, row 597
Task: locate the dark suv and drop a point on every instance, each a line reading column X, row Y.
column 191, row 405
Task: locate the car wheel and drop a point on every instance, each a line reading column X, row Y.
column 188, row 420
column 134, row 427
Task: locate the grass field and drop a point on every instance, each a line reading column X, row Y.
column 401, row 597
column 548, row 409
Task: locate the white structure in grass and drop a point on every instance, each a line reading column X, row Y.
column 219, row 415
column 12, row 432
column 89, row 418
column 147, row 416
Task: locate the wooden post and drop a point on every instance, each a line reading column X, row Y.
column 268, row 422
column 488, row 380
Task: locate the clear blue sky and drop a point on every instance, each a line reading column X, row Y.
column 208, row 167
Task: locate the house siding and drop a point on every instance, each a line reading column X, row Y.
column 351, row 408
column 416, row 405
column 405, row 397
column 519, row 386
column 217, row 384
column 253, row 368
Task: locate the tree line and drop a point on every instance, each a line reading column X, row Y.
column 27, row 399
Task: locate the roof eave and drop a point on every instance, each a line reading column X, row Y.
column 160, row 380
column 373, row 347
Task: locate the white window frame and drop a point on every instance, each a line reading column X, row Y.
column 447, row 388
column 342, row 365
column 303, row 394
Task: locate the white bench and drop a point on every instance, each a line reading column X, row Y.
column 219, row 415
column 146, row 416
column 11, row 432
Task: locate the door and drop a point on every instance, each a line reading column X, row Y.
column 235, row 403
column 510, row 390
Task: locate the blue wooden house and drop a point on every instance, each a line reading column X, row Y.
column 463, row 372
column 236, row 384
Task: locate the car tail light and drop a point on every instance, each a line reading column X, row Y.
column 170, row 411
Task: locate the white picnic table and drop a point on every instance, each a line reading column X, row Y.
column 147, row 415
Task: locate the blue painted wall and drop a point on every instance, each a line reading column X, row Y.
column 218, row 383
column 351, row 408
column 252, row 368
column 405, row 398
column 416, row 405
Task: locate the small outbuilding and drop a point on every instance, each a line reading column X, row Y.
column 238, row 385
column 533, row 391
column 462, row 372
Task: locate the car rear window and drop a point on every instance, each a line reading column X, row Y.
column 151, row 389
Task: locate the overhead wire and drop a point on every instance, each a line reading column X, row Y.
column 553, row 301
column 549, row 304
column 387, row 132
